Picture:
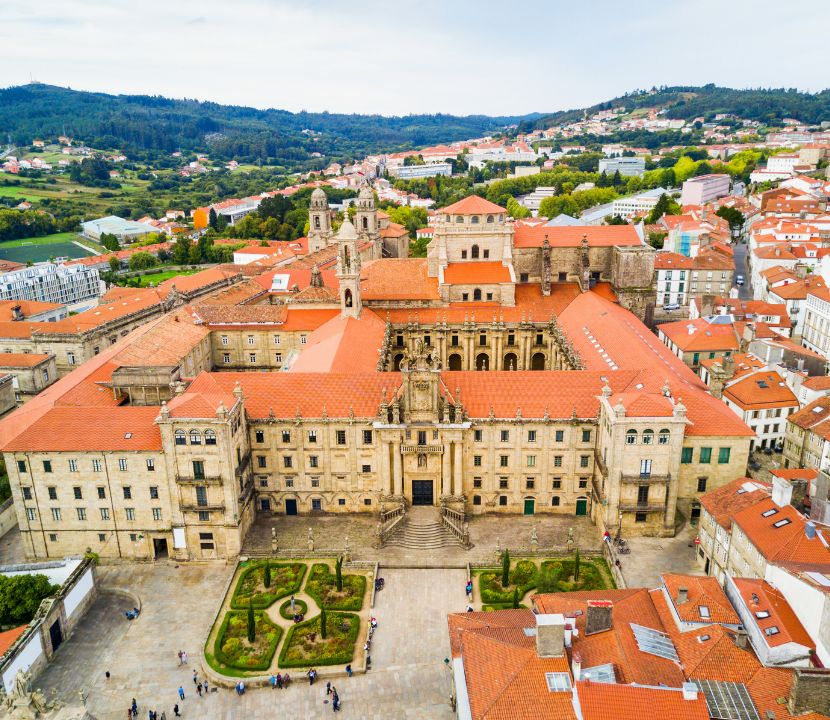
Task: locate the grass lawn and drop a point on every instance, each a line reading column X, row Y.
column 156, row 278
column 593, row 575
column 39, row 249
column 322, row 586
column 522, row 576
column 286, row 579
column 233, row 649
column 63, row 237
column 305, row 647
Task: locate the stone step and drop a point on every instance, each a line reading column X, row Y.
column 422, row 536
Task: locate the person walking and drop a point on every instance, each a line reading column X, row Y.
column 279, row 681
column 180, row 658
column 181, row 693
column 199, row 689
column 134, row 707
column 184, row 657
column 195, row 678
column 176, row 711
column 204, row 682
column 328, row 687
column 273, row 681
column 349, row 670
column 107, row 674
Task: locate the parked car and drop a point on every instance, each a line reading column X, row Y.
column 739, row 279
column 671, row 306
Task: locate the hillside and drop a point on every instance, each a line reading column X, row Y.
column 769, row 106
column 147, row 127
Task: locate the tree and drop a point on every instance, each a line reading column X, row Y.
column 505, row 568
column 548, row 581
column 21, row 595
column 338, row 573
column 115, row 264
column 516, row 210
column 323, row 623
column 664, row 206
column 516, row 598
column 142, row 261
column 251, row 622
column 734, row 217
column 602, row 181
column 266, row 577
column 181, row 250
column 212, row 221
column 576, row 566
column 194, row 255
column 617, row 179
column 109, row 241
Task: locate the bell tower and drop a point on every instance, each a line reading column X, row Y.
column 348, row 270
column 319, row 221
column 366, row 220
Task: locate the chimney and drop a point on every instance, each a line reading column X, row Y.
column 576, row 665
column 782, row 491
column 689, row 691
column 682, row 595
column 740, row 639
column 810, row 691
column 598, row 616
column 17, row 313
column 550, row 635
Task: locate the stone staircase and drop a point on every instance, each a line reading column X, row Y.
column 422, row 529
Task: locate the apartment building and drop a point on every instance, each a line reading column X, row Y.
column 51, row 283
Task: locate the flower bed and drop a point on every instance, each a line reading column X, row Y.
column 286, row 579
column 321, row 585
column 299, row 606
column 233, row 649
column 304, row 647
column 591, row 575
column 522, row 576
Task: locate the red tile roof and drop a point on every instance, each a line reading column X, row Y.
column 609, row 701
column 725, row 502
column 700, row 591
column 760, row 390
column 571, row 236
column 21, row 360
column 473, row 205
column 471, row 273
column 760, row 596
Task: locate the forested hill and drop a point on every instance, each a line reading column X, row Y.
column 148, row 126
column 769, row 106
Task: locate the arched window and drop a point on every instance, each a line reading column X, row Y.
column 365, row 223
column 459, row 219
column 489, row 218
column 631, row 437
column 317, row 221
column 474, row 252
column 474, row 220
column 195, row 437
column 663, row 437
column 180, row 438
column 477, row 294
column 210, row 437
column 448, row 218
column 347, row 298
column 648, row 437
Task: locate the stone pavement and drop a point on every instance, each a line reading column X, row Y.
column 650, row 557
column 408, row 679
column 11, row 548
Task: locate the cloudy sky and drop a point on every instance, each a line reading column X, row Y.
column 457, row 56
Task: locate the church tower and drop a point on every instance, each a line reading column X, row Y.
column 348, row 270
column 319, row 221
column 366, row 220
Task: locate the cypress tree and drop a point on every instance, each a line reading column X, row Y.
column 338, row 573
column 266, row 580
column 516, row 598
column 251, row 622
column 505, row 569
column 323, row 623
column 576, row 566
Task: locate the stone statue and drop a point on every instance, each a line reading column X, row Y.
column 39, row 701
column 534, row 538
column 20, row 688
column 310, row 539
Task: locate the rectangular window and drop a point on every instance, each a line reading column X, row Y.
column 505, row 436
column 557, row 461
column 367, row 437
column 261, row 461
column 477, row 460
column 102, row 493
column 154, row 492
column 640, row 517
column 27, row 493
column 366, row 468
column 250, row 339
column 276, row 340
column 531, row 436
column 204, row 516
column 30, row 514
column 56, row 514
column 584, row 460
column 287, row 462
column 278, row 357
column 81, row 513
column 96, row 466
column 47, row 466
column 286, row 436
column 315, row 482
column 705, row 455
column 701, row 484
column 312, row 436
column 21, row 466
column 77, row 494
column 503, row 483
column 201, row 495
column 252, row 357
column 504, row 460
column 477, row 482
column 226, row 358
column 128, row 493
column 53, row 492
column 586, row 436
column 340, row 437
column 259, row 435
column 156, row 513
column 723, row 455
column 122, row 464
column 73, row 466
column 477, row 435
column 312, row 461
column 531, row 461
column 557, row 484
column 560, row 436
column 224, row 339
column 422, row 437
column 198, row 469
column 531, row 483
column 105, row 513
column 151, row 465
column 686, row 455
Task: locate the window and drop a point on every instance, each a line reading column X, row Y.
column 250, row 339
column 505, row 436
column 261, row 461
column 21, row 466
column 367, row 437
column 154, row 492
column 503, row 500
column 663, row 437
column 648, row 437
column 276, row 339
column 686, row 455
column 586, row 436
column 286, row 436
column 316, row 504
column 477, row 460
column 224, row 339
column 341, row 501
column 555, row 501
column 122, row 464
column 289, row 482
column 47, row 466
column 27, row 493
column 705, row 455
column 278, row 357
column 454, row 341
column 198, row 469
column 70, row 358
column 367, row 501
column 504, row 461
column 477, row 482
column 530, row 484
column 478, row 435
column 640, row 517
column 252, row 357
column 701, row 484
column 531, row 461
column 482, row 339
column 584, row 460
column 558, row 681
column 312, row 436
column 366, row 468
column 557, row 461
column 73, row 466
column 128, row 492
column 210, row 437
column 303, row 339
column 631, row 437
column 105, row 513
column 53, row 537
column 560, row 436
column 53, row 492
column 583, row 483
column 102, row 493
column 226, row 358
column 286, row 461
column 156, row 513
column 531, row 436
column 476, row 499
column 204, row 516
column 201, row 495
column 30, row 514
column 81, row 513
column 723, row 455
column 180, row 437
column 340, row 437
column 56, row 514
column 312, row 461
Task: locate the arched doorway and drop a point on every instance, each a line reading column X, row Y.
column 482, row 361
column 477, row 294
column 582, row 506
column 511, row 362
column 397, row 361
column 530, row 506
column 537, row 362
column 454, row 362
column 347, row 298
column 474, row 253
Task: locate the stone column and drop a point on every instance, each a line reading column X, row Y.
column 446, row 471
column 458, row 486
column 397, row 469
column 497, row 358
column 385, row 469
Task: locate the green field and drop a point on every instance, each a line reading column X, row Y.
column 39, row 249
column 156, row 278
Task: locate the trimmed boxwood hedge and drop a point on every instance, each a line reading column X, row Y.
column 231, row 649
column 286, row 579
column 299, row 605
column 339, row 643
column 321, row 586
column 522, row 575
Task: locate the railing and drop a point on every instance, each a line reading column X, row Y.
column 644, row 479
column 406, row 449
column 641, row 507
column 243, row 463
column 204, row 480
column 194, row 507
column 455, row 521
column 388, row 521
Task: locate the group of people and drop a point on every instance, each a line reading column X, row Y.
column 240, row 687
column 132, row 614
column 312, row 676
column 132, row 712
column 331, row 692
column 182, row 657
column 278, row 681
column 298, row 617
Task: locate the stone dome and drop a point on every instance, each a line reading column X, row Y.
column 318, row 195
column 366, row 193
column 347, row 231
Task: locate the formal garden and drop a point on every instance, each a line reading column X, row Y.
column 289, row 614
column 507, row 586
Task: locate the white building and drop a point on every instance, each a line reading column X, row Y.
column 48, row 282
column 783, row 163
column 533, row 200
column 408, row 172
column 124, row 230
column 704, row 189
column 815, row 334
column 625, row 166
column 640, row 204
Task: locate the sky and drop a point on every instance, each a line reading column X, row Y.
column 422, row 56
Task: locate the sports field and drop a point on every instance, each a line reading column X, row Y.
column 39, row 249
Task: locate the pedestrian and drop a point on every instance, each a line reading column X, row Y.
column 184, row 656
column 195, row 679
column 292, row 604
column 328, row 688
column 310, row 674
column 107, row 673
column 279, row 681
column 469, row 587
column 180, row 657
column 134, row 707
column 181, row 693
column 199, row 689
column 349, row 670
column 176, row 711
column 205, row 684
column 273, row 681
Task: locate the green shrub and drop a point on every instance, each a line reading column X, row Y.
column 522, row 577
column 233, row 649
column 305, row 647
column 286, row 579
column 322, row 586
column 299, row 605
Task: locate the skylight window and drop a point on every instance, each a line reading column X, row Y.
column 770, row 512
column 704, row 612
column 558, row 681
column 772, row 630
column 703, row 638
column 654, row 642
column 128, row 435
column 818, row 409
column 781, row 523
column 762, row 614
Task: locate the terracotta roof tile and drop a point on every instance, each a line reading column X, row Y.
column 571, row 236
column 470, row 273
column 725, row 502
column 473, row 205
column 700, row 591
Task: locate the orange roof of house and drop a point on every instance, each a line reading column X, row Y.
column 725, row 502
column 760, row 596
column 27, row 308
column 8, row 638
column 760, row 390
column 526, row 236
column 21, row 360
column 706, row 337
column 471, row 273
column 610, row 701
column 473, row 205
column 398, row 279
column 672, row 261
column 701, row 591
column 166, row 343
column 343, row 344
column 814, row 417
column 393, row 230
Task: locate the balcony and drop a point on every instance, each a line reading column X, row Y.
column 644, row 479
column 641, row 507
column 209, row 507
column 427, row 449
column 202, row 480
column 600, row 464
column 244, row 461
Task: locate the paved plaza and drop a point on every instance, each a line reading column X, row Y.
column 650, row 557
column 408, row 678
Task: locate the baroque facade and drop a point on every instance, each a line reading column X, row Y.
column 508, row 372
